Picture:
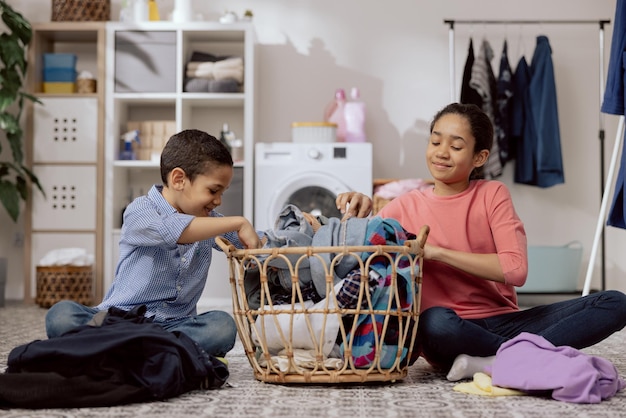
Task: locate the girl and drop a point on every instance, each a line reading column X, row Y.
column 476, row 256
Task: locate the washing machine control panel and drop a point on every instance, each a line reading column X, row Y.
column 314, row 154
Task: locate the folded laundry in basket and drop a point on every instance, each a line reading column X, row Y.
column 67, row 256
column 283, row 331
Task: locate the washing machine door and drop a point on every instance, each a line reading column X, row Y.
column 310, row 192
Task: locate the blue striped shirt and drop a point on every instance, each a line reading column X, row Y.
column 153, row 269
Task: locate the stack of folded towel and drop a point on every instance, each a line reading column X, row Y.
column 210, row 73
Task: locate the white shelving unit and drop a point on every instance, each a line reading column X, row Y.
column 157, row 52
column 65, row 147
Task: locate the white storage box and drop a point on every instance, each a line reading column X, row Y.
column 145, row 61
column 553, row 269
column 312, row 132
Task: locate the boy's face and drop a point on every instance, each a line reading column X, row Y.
column 200, row 197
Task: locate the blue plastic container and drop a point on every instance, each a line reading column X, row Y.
column 59, row 74
column 553, row 269
column 58, row 60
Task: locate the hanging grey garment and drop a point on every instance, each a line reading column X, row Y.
column 336, row 233
column 504, row 91
column 484, row 82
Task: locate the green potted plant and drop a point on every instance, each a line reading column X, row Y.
column 15, row 178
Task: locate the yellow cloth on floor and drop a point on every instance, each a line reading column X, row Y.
column 481, row 385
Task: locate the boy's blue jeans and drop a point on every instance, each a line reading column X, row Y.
column 578, row 323
column 214, row 331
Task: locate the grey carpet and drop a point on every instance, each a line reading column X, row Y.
column 423, row 393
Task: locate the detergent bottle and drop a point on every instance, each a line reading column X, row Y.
column 335, row 113
column 153, row 11
column 355, row 118
column 226, row 137
column 128, row 153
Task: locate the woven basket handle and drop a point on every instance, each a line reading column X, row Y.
column 417, row 245
column 225, row 245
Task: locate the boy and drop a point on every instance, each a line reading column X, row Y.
column 165, row 246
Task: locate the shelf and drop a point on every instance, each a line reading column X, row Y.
column 43, row 95
column 158, row 63
column 145, row 98
column 214, row 99
column 136, row 163
column 65, row 135
column 152, row 164
column 195, row 99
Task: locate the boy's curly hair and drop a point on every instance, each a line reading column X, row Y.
column 195, row 151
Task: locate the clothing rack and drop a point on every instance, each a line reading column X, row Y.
column 599, row 238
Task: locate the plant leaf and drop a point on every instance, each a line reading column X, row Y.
column 9, row 196
column 16, row 23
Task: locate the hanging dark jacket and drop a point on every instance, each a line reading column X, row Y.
column 468, row 94
column 524, row 155
column 542, row 119
column 126, row 359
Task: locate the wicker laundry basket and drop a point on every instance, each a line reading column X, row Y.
column 377, row 201
column 372, row 341
column 55, row 283
column 80, row 10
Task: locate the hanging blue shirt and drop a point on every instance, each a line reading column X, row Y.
column 542, row 118
column 613, row 102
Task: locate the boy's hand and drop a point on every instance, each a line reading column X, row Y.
column 354, row 204
column 248, row 236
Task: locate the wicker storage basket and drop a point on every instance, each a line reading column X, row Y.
column 80, row 10
column 55, row 283
column 377, row 201
column 391, row 332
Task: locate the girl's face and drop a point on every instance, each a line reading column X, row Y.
column 204, row 194
column 450, row 154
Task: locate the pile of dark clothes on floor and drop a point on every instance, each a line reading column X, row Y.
column 126, row 358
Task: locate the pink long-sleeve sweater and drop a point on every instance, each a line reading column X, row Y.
column 479, row 220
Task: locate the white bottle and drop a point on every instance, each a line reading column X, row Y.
column 354, row 112
column 183, row 12
column 126, row 12
column 141, row 11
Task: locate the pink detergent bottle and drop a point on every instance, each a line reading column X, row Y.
column 335, row 113
column 355, row 118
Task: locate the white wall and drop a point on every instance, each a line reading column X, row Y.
column 397, row 53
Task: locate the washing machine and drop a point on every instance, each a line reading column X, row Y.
column 308, row 175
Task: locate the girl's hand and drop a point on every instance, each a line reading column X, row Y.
column 354, row 204
column 429, row 251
